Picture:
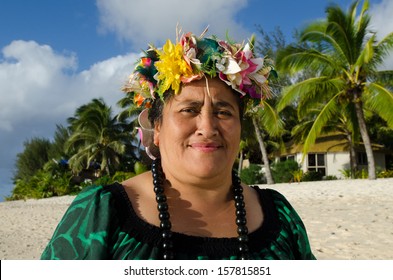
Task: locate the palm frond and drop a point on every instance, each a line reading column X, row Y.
column 294, row 59
column 271, row 120
column 326, row 114
column 366, row 54
column 381, row 102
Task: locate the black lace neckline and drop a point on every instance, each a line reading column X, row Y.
column 132, row 224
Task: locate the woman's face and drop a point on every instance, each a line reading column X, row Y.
column 199, row 133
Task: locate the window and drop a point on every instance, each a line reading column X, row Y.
column 317, row 162
column 362, row 158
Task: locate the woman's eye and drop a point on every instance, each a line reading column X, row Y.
column 189, row 110
column 223, row 113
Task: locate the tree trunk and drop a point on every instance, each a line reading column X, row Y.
column 239, row 169
column 365, row 136
column 268, row 173
column 352, row 155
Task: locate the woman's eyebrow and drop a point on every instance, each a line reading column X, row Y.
column 216, row 104
column 190, row 103
column 223, row 104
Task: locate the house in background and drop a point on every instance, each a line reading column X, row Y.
column 330, row 154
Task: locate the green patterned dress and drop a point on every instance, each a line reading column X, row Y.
column 102, row 224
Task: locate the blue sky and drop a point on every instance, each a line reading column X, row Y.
column 58, row 55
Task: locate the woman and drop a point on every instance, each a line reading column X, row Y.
column 190, row 205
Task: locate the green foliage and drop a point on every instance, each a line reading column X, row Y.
column 347, row 173
column 282, row 171
column 297, row 175
column 96, row 136
column 252, row 175
column 120, row 176
column 312, row 176
column 362, row 174
column 32, row 159
column 139, row 168
column 386, row 174
column 359, row 174
column 43, row 185
column 57, row 148
column 104, row 180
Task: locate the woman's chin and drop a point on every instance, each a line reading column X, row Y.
column 207, row 169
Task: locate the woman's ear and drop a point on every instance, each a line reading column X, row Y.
column 156, row 138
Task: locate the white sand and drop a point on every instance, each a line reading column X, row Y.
column 345, row 219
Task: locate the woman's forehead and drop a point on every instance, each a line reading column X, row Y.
column 199, row 98
column 214, row 90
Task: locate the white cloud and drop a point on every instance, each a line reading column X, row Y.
column 40, row 88
column 382, row 23
column 152, row 21
column 26, row 73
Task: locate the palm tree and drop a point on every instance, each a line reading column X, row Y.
column 129, row 115
column 96, row 137
column 265, row 120
column 344, row 122
column 345, row 56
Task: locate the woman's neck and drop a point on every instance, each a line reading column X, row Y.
column 197, row 190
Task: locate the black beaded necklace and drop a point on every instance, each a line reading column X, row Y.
column 165, row 223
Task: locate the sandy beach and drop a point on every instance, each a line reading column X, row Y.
column 345, row 220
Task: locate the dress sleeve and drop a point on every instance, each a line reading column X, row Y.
column 295, row 228
column 84, row 229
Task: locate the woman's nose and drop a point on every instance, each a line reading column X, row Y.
column 207, row 124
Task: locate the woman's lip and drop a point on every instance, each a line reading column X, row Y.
column 206, row 147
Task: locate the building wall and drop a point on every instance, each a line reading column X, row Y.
column 336, row 162
column 380, row 162
column 340, row 161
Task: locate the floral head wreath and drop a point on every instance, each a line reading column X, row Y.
column 191, row 58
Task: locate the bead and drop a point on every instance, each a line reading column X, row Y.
column 243, row 248
column 242, row 230
column 167, row 245
column 239, row 204
column 166, row 234
column 161, row 197
column 158, row 190
column 238, row 190
column 239, row 197
column 241, row 221
column 165, row 224
column 168, row 255
column 162, row 206
column 157, row 182
column 163, row 216
column 243, row 238
column 241, row 213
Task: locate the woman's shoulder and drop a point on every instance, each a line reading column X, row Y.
column 96, row 193
column 114, row 190
column 286, row 212
column 276, row 204
column 271, row 194
column 138, row 187
column 139, row 181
